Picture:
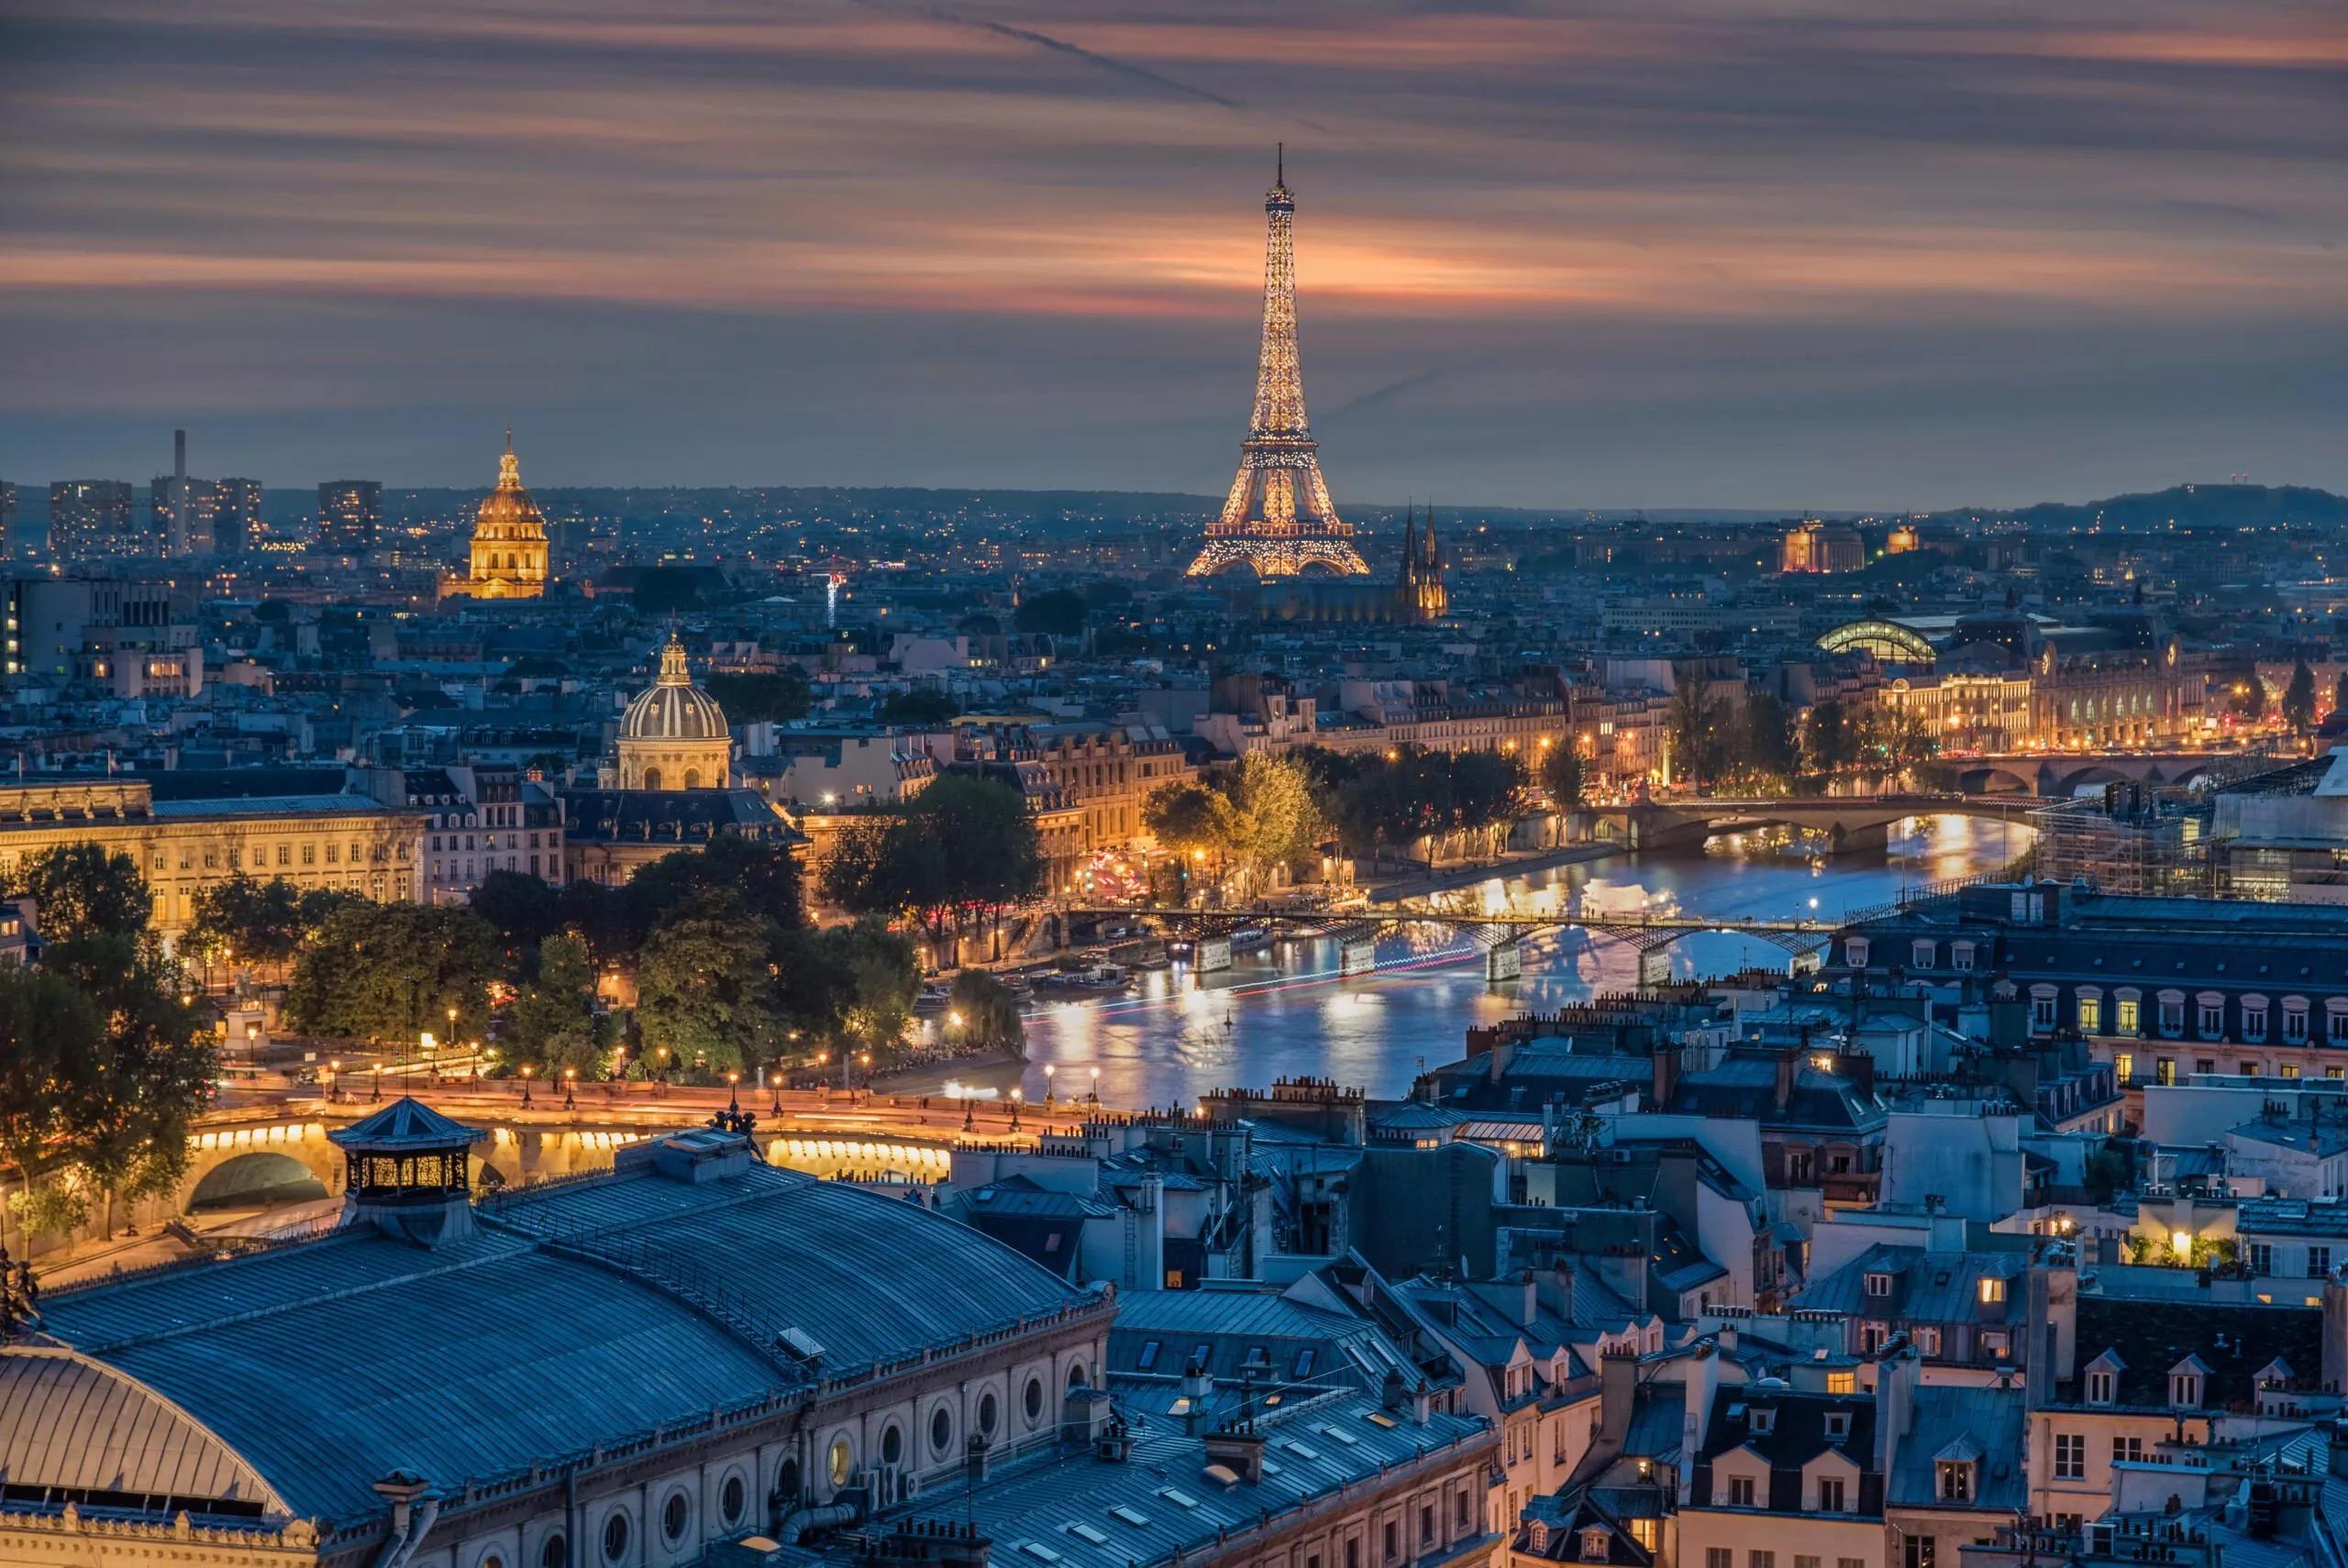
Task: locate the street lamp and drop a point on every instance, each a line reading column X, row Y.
column 661, row 1080
column 1049, row 1070
column 1017, row 1096
column 733, row 1092
column 525, row 1086
column 1093, row 1095
column 334, row 1078
column 570, row 1082
column 774, row 1089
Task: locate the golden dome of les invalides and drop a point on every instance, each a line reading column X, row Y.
column 509, row 551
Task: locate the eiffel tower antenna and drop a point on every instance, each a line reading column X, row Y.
column 1278, row 519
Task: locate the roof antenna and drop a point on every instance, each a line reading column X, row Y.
column 1279, row 163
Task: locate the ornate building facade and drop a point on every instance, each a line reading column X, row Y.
column 675, row 734
column 340, row 843
column 509, row 549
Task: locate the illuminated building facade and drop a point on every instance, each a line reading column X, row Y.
column 1816, row 547
column 675, row 736
column 340, row 843
column 509, row 549
column 89, row 520
column 1280, row 463
column 235, row 515
column 350, row 516
column 1416, row 596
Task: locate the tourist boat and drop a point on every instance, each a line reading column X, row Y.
column 1250, row 939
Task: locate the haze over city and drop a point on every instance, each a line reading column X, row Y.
column 1671, row 256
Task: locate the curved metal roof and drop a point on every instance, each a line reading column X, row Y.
column 70, row 1423
column 577, row 1315
column 1886, row 639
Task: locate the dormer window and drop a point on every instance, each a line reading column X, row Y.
column 2099, row 1387
column 1955, row 1481
column 1838, row 1425
column 2185, row 1383
column 1855, row 952
column 1879, row 1283
column 1762, row 1419
column 1992, row 1290
column 1593, row 1546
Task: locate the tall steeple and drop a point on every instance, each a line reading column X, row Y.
column 1279, row 464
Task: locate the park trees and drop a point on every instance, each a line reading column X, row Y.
column 83, row 889
column 388, row 972
column 263, row 924
column 982, row 1016
column 706, row 986
column 1564, row 775
column 102, row 1069
column 953, row 859
column 2299, row 699
column 1695, row 731
column 553, row 1024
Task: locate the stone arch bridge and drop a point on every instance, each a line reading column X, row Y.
column 2062, row 775
column 249, row 1159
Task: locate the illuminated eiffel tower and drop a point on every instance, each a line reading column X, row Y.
column 1279, row 464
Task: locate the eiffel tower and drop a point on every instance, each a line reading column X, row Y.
column 1279, row 464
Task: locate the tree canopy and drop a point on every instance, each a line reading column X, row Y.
column 81, row 890
column 389, row 972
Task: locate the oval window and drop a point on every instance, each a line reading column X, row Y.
column 554, row 1552
column 987, row 1412
column 941, row 1431
column 729, row 1501
column 672, row 1518
column 1034, row 1400
column 491, row 1561
column 893, row 1444
column 843, row 1462
column 616, row 1538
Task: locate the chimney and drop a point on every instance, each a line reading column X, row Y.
column 1618, row 1381
column 1789, row 1065
column 178, row 543
column 1667, row 1074
column 1198, row 1388
column 1239, row 1446
column 1556, row 1289
column 1090, row 1411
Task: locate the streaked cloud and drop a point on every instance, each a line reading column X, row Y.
column 1637, row 238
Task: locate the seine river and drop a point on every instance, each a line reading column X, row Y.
column 1285, row 1011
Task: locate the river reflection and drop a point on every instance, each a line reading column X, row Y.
column 1285, row 1011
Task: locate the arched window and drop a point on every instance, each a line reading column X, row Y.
column 786, row 1481
column 841, row 1463
column 554, row 1552
column 1033, row 1400
column 653, row 779
column 693, row 778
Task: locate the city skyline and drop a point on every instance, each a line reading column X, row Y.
column 1683, row 259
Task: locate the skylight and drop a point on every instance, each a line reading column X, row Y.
column 1039, row 1552
column 1086, row 1532
column 1132, row 1516
column 1343, row 1436
column 1179, row 1498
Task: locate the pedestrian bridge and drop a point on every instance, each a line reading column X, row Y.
column 1500, row 933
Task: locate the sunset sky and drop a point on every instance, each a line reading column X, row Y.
column 1660, row 252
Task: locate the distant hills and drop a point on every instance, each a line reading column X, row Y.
column 2183, row 506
